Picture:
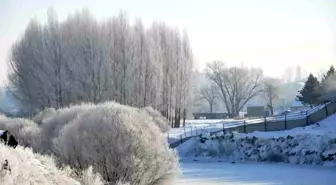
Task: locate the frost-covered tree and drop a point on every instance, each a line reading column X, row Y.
column 271, row 90
column 81, row 59
column 210, row 94
column 237, row 85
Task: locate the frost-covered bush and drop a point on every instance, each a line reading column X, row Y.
column 45, row 114
column 158, row 119
column 51, row 126
column 22, row 166
column 120, row 142
column 26, row 132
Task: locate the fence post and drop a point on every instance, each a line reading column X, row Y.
column 190, row 131
column 244, row 126
column 185, row 133
column 184, row 116
column 326, row 108
column 307, row 117
column 265, row 124
column 181, row 139
column 223, row 129
column 285, row 121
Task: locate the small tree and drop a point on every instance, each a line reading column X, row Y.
column 271, row 91
column 309, row 94
column 210, row 94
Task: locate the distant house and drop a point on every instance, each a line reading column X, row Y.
column 210, row 115
column 255, row 110
column 298, row 106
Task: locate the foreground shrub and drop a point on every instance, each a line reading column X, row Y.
column 26, row 132
column 158, row 119
column 52, row 125
column 22, row 167
column 121, row 143
column 45, row 114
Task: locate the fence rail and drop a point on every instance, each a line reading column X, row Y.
column 276, row 123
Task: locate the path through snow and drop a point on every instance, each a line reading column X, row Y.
column 197, row 173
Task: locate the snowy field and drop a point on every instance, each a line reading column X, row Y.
column 218, row 173
column 196, row 127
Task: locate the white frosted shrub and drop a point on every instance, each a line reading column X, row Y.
column 46, row 113
column 25, row 131
column 121, row 143
column 26, row 168
column 158, row 119
column 52, row 125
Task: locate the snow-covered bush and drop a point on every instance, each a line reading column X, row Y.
column 120, row 142
column 22, row 166
column 158, row 119
column 51, row 126
column 26, row 132
column 47, row 113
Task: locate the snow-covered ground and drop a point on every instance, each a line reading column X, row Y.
column 219, row 173
column 315, row 144
column 324, row 127
column 196, row 127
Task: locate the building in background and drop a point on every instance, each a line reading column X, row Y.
column 256, row 111
column 298, row 106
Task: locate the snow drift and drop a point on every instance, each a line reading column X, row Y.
column 315, row 144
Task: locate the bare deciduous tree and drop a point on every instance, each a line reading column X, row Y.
column 237, row 85
column 271, row 92
column 210, row 94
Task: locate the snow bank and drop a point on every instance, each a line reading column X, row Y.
column 324, row 127
column 301, row 149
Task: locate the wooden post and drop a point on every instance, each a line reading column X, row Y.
column 184, row 116
column 265, row 124
column 285, row 121
column 190, row 131
column 223, row 129
column 326, row 108
column 181, row 139
column 244, row 126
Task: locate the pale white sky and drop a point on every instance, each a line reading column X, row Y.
column 272, row 34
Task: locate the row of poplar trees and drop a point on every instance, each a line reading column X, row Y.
column 80, row 59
